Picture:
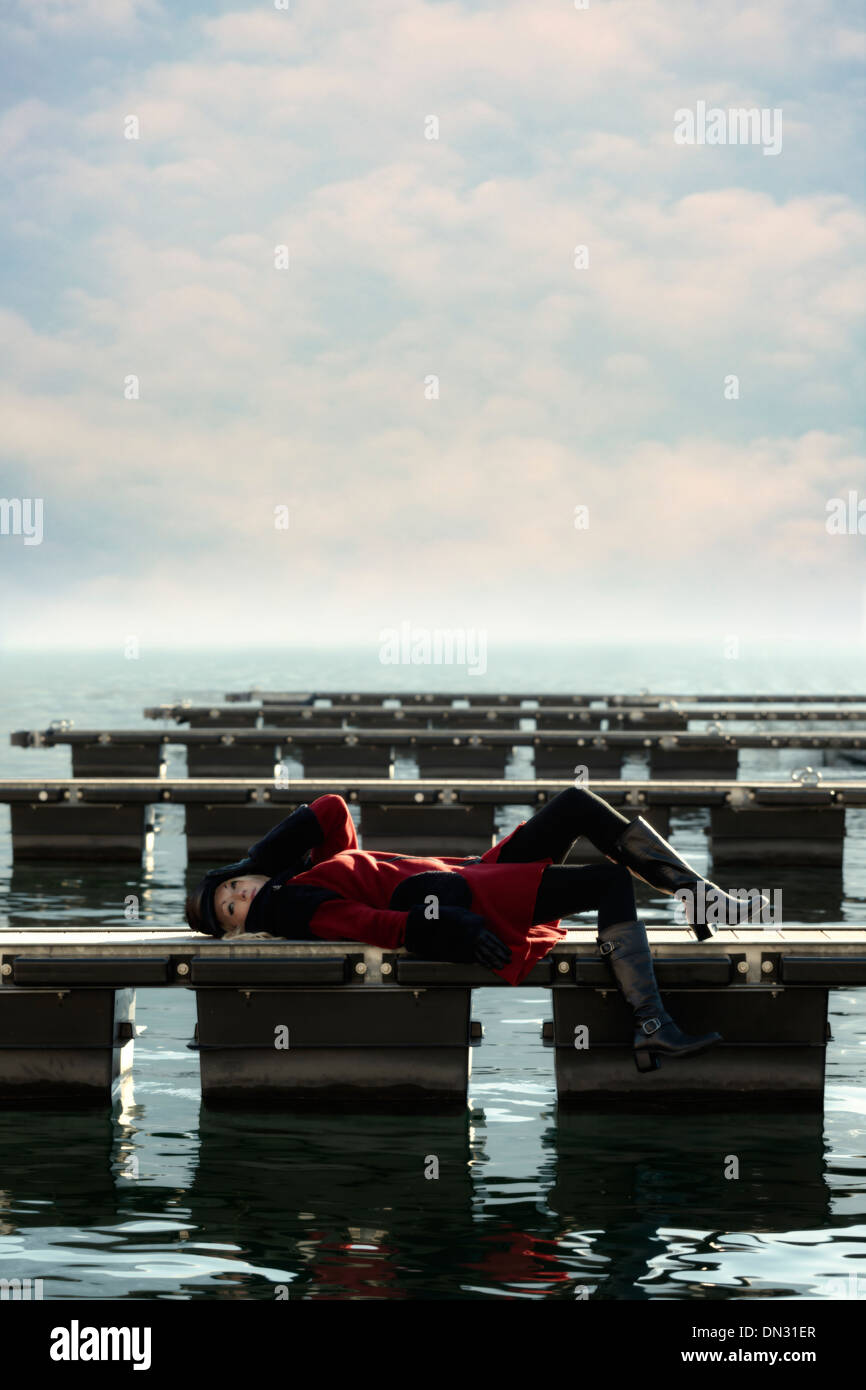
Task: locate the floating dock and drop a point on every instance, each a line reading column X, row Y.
column 306, row 697
column 296, row 1024
column 501, row 715
column 480, row 752
column 97, row 819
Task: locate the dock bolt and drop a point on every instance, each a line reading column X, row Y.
column 739, row 796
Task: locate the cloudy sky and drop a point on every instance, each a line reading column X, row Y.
column 431, row 386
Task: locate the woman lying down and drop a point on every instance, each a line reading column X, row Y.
column 307, row 880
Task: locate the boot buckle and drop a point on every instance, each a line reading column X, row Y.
column 651, row 1025
column 606, row 947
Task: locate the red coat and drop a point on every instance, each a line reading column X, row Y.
column 504, row 894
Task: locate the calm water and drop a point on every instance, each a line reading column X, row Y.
column 160, row 1199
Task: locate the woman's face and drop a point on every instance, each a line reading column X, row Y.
column 232, row 901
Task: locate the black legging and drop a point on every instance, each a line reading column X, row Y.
column 565, row 889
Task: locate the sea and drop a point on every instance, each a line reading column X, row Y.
column 159, row 1198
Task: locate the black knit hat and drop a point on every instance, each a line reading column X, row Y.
column 200, row 913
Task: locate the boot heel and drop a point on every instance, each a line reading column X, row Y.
column 646, row 1061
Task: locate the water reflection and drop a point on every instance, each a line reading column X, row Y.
column 277, row 1207
column 69, row 895
column 629, row 1181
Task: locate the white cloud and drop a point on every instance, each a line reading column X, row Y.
column 411, row 257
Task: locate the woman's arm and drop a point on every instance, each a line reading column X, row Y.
column 457, row 935
column 340, row 919
column 338, row 830
column 324, row 827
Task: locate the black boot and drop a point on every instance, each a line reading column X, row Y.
column 626, row 949
column 650, row 858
